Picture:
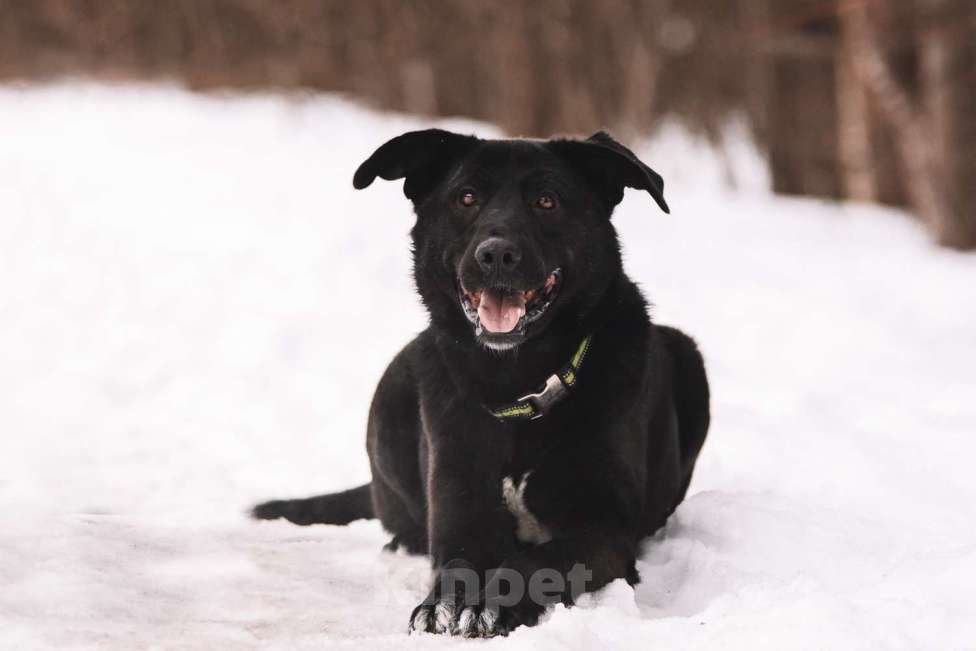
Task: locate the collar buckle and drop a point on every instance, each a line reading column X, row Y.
column 553, row 392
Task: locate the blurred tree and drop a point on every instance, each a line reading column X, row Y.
column 931, row 126
column 867, row 99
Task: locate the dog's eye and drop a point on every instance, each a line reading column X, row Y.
column 467, row 198
column 545, row 202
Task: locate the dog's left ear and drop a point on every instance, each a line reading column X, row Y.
column 611, row 167
column 422, row 158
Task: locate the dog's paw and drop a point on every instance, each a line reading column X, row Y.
column 454, row 618
column 491, row 621
column 445, row 617
column 479, row 621
column 439, row 617
column 410, row 542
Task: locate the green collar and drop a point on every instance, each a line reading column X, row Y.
column 536, row 405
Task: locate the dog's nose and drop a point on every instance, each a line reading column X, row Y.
column 497, row 254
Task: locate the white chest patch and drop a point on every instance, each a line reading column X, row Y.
column 528, row 528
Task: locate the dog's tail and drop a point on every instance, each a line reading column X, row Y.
column 334, row 508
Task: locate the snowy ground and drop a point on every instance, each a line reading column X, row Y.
column 195, row 306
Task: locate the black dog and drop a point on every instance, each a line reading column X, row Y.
column 541, row 425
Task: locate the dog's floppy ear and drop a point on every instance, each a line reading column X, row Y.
column 419, row 157
column 611, row 167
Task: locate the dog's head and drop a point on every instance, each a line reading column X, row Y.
column 512, row 236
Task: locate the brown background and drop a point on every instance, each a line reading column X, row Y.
column 867, row 99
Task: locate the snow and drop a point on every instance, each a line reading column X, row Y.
column 195, row 307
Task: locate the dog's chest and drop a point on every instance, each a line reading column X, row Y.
column 528, row 528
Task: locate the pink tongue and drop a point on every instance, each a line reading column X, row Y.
column 500, row 313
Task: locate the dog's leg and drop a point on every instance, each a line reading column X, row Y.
column 691, row 397
column 402, row 515
column 469, row 528
column 396, row 447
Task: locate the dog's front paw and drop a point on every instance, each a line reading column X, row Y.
column 491, row 620
column 438, row 617
column 481, row 621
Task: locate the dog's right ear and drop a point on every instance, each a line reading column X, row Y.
column 422, row 158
